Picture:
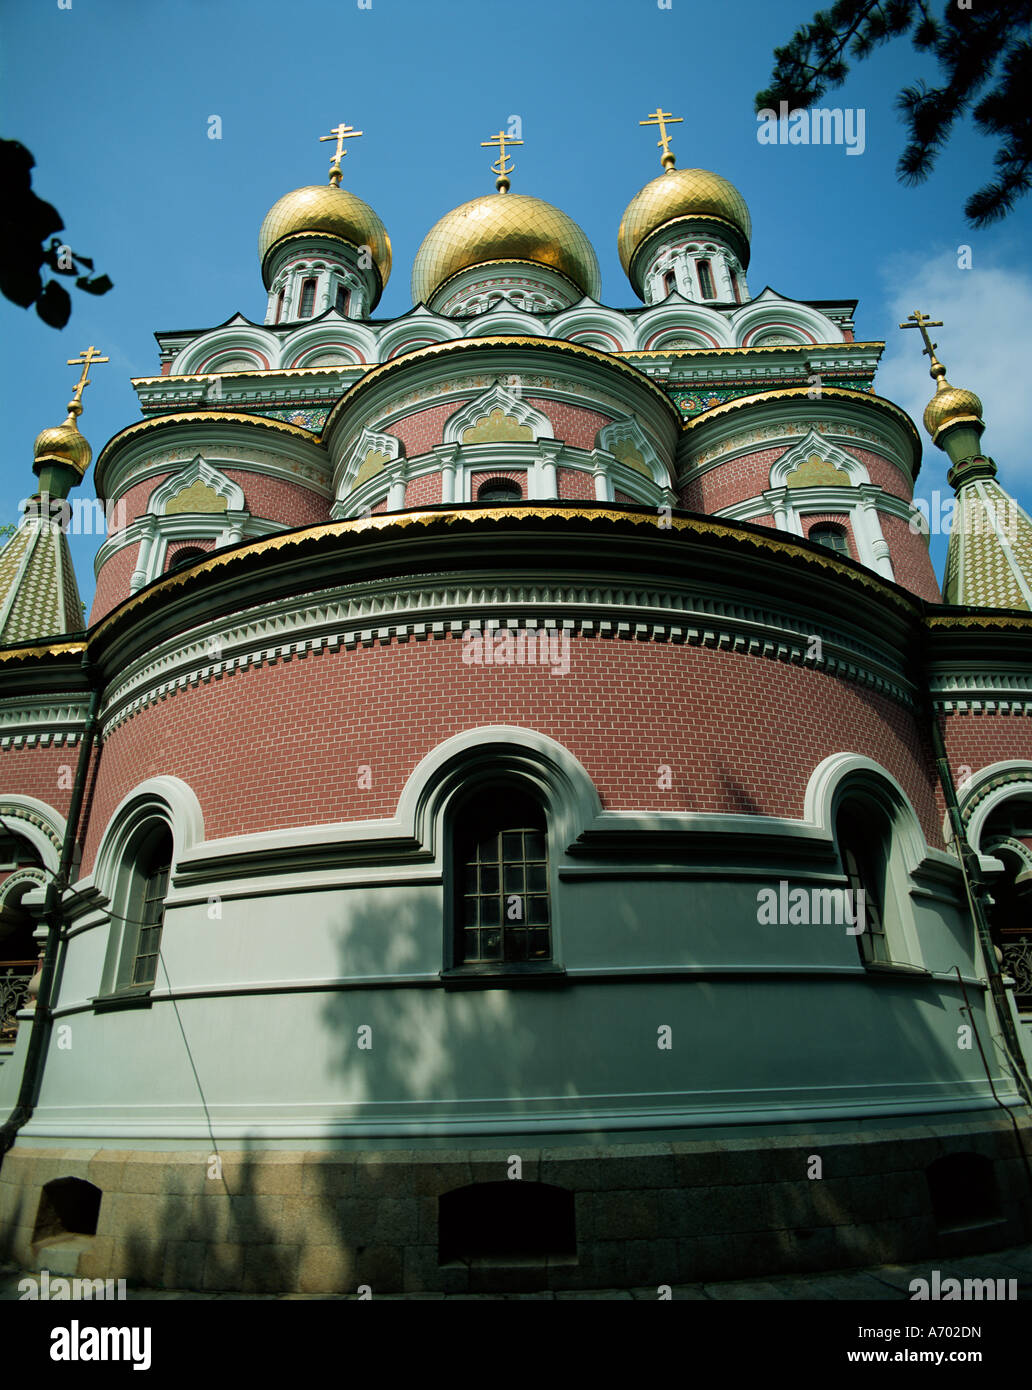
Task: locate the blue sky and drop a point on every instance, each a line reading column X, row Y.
column 113, row 98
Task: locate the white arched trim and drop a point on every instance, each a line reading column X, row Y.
column 627, row 435
column 478, row 756
column 16, row 883
column 844, row 775
column 986, row 790
column 496, row 397
column 197, row 471
column 236, row 339
column 167, row 799
column 35, row 821
column 771, row 312
column 813, row 443
column 683, row 319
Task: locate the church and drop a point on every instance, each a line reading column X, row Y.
column 522, row 812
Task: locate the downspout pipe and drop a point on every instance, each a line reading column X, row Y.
column 52, row 917
column 975, row 890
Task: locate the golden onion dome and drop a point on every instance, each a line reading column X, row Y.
column 950, row 405
column 676, row 194
column 504, row 227
column 328, row 209
column 63, row 444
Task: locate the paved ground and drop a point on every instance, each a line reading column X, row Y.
column 884, row 1282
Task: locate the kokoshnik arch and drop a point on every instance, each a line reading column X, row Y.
column 326, row 909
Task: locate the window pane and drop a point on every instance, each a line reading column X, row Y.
column 537, row 878
column 514, row 878
column 488, row 879
column 537, row 911
column 490, row 912
column 512, row 845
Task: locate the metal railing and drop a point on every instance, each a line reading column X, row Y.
column 14, row 985
column 1017, row 962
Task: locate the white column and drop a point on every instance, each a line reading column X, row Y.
column 140, row 574
column 870, row 539
column 548, row 475
column 600, row 473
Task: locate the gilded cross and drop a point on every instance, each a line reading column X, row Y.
column 340, row 133
column 660, row 117
column 503, row 165
column 922, row 323
column 85, row 360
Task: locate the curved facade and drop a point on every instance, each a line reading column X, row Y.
column 515, row 739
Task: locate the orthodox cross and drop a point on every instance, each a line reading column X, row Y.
column 340, row 133
column 922, row 323
column 503, row 165
column 660, row 117
column 85, row 360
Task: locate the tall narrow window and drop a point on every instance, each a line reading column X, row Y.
column 669, row 282
column 343, row 300
column 737, row 284
column 862, row 834
column 147, row 905
column 307, row 298
column 279, row 305
column 501, row 876
column 705, row 279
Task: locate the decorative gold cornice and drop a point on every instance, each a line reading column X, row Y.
column 474, row 516
column 961, row 622
column 56, row 649
column 500, row 343
column 231, row 417
column 802, row 392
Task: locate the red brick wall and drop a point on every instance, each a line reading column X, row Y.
column 113, row 581
column 424, row 429
column 974, row 741
column 281, row 746
column 911, row 562
column 576, row 485
column 45, row 773
column 749, row 475
column 424, row 491
column 272, row 499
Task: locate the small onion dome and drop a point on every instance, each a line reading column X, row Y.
column 950, row 406
column 677, row 194
column 63, row 444
column 324, row 209
column 504, row 227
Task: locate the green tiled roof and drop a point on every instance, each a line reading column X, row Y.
column 989, row 560
column 38, row 593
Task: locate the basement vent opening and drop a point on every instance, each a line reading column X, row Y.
column 963, row 1190
column 507, row 1223
column 67, row 1206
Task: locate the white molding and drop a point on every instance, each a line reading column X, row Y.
column 814, row 443
column 159, row 798
column 198, row 470
column 496, row 397
column 975, row 807
column 628, row 429
column 38, row 822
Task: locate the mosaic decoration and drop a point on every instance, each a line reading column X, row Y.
column 198, row 497
column 310, row 418
column 626, row 453
column 497, row 428
column 817, row 472
column 691, row 403
column 374, row 462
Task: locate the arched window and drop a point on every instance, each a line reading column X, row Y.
column 343, row 300
column 499, row 490
column 279, row 305
column 669, row 282
column 187, row 556
column 863, row 836
column 830, row 534
column 705, row 279
column 307, row 298
column 501, row 879
column 737, row 286
column 147, row 906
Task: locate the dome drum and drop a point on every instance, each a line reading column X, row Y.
column 332, row 214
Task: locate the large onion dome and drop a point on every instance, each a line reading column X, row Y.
column 325, row 210
column 504, row 227
column 679, row 194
